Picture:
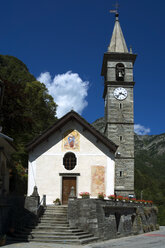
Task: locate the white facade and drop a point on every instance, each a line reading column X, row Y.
column 94, row 170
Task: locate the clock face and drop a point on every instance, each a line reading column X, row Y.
column 120, row 93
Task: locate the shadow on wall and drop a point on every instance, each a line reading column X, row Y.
column 14, row 217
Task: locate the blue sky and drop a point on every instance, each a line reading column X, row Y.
column 60, row 36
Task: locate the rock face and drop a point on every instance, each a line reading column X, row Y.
column 99, row 124
column 152, row 143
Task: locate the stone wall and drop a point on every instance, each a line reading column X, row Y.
column 13, row 215
column 111, row 219
column 4, row 217
column 11, row 208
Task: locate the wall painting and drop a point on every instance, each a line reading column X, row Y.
column 98, row 180
column 71, row 140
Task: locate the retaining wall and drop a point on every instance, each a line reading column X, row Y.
column 111, row 219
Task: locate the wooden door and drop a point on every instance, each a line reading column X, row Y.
column 67, row 183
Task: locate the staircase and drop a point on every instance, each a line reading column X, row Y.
column 53, row 227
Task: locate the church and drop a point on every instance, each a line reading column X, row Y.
column 73, row 153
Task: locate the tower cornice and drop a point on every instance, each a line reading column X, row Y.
column 110, row 56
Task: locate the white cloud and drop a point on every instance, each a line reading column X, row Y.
column 68, row 90
column 141, row 130
column 45, row 78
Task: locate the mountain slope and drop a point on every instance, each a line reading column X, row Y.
column 155, row 144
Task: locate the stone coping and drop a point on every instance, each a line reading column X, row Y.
column 117, row 203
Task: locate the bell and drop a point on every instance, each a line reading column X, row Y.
column 120, row 74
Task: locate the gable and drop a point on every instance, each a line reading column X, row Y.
column 72, row 117
column 72, row 137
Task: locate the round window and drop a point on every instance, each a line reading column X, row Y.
column 69, row 161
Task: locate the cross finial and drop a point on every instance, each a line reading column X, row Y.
column 116, row 5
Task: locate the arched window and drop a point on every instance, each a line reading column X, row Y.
column 69, row 161
column 120, row 72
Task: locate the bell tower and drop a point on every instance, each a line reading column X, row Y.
column 117, row 70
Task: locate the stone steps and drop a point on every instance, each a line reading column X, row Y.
column 59, row 228
column 58, row 211
column 71, row 241
column 68, row 233
column 53, row 222
column 49, row 216
column 54, row 217
column 54, row 237
column 53, row 227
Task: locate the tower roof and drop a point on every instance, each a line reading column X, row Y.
column 117, row 43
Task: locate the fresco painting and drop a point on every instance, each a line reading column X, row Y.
column 98, row 180
column 71, row 140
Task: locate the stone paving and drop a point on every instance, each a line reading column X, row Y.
column 149, row 240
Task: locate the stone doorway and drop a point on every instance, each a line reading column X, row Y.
column 67, row 183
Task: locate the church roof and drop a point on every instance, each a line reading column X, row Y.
column 117, row 43
column 72, row 115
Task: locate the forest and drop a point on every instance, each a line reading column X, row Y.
column 27, row 111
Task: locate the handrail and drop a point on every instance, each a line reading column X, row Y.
column 40, row 203
column 42, row 200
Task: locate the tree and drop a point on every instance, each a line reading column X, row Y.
column 27, row 109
